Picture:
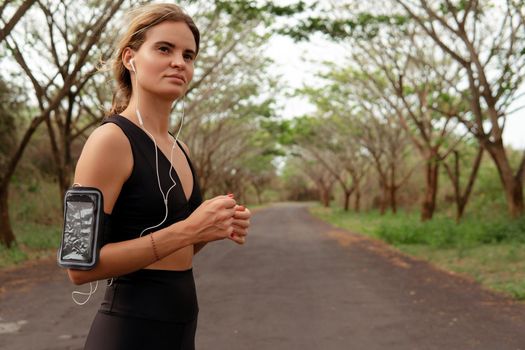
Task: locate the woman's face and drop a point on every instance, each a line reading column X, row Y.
column 164, row 62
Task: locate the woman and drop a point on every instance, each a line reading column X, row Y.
column 151, row 194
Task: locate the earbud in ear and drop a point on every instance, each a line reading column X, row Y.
column 132, row 62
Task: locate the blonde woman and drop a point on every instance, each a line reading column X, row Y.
column 151, row 194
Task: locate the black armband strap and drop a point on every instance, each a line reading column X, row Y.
column 84, row 228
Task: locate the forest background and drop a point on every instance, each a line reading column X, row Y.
column 404, row 140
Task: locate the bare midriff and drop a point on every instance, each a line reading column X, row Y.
column 178, row 261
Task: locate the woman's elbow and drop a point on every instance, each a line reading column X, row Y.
column 77, row 277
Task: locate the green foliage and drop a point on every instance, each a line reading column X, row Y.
column 35, row 200
column 12, row 256
column 36, row 213
column 443, row 232
column 33, row 241
column 490, row 251
column 362, row 25
column 405, row 228
column 245, row 10
column 37, row 236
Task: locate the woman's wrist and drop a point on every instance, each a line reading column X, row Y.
column 182, row 230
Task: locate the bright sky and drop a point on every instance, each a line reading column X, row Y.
column 291, row 61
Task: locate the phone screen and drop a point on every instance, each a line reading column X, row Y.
column 79, row 230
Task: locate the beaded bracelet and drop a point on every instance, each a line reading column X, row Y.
column 154, row 247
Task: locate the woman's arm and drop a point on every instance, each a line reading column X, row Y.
column 105, row 163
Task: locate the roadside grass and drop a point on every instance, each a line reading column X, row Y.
column 36, row 212
column 33, row 241
column 491, row 252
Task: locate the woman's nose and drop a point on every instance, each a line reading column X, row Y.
column 178, row 61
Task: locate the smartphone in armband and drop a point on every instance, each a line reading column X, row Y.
column 83, row 228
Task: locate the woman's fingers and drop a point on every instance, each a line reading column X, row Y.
column 225, row 223
column 231, row 220
column 243, row 213
column 241, row 223
column 223, row 202
column 238, row 239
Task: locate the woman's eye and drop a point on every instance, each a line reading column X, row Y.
column 188, row 57
column 164, row 49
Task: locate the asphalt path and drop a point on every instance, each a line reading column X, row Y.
column 297, row 284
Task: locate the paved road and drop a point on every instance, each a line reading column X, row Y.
column 297, row 284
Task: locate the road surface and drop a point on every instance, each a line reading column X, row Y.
column 297, row 284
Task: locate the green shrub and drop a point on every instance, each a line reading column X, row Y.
column 442, row 232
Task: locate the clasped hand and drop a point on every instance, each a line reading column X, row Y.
column 218, row 218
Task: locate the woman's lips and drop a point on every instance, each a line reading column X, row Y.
column 176, row 77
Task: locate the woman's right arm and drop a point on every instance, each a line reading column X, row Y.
column 105, row 163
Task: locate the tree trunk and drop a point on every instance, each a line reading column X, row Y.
column 325, row 197
column 6, row 232
column 429, row 199
column 455, row 174
column 7, row 237
column 347, row 195
column 324, row 193
column 393, row 187
column 59, row 167
column 460, row 210
column 357, row 203
column 258, row 193
column 512, row 185
column 393, row 201
column 384, row 199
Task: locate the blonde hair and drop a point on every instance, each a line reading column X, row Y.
column 142, row 19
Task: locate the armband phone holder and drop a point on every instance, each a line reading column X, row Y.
column 83, row 234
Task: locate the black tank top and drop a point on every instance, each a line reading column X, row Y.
column 140, row 204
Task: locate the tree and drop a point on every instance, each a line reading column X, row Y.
column 49, row 89
column 15, row 18
column 330, row 139
column 232, row 94
column 461, row 196
column 486, row 40
column 81, row 108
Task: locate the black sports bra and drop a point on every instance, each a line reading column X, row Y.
column 140, row 204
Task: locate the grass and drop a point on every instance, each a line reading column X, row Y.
column 34, row 241
column 492, row 252
column 35, row 211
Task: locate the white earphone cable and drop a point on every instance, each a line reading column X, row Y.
column 164, row 195
column 89, row 294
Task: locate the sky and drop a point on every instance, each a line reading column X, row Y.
column 292, row 63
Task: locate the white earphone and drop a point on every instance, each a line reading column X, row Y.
column 174, row 183
column 164, row 194
column 132, row 62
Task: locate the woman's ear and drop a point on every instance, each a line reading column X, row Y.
column 127, row 58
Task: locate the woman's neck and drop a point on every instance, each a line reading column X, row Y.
column 155, row 114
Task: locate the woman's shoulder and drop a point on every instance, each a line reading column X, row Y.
column 185, row 147
column 106, row 154
column 108, row 134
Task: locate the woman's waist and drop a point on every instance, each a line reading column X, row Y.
column 163, row 295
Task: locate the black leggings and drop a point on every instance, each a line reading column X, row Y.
column 111, row 332
column 148, row 309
